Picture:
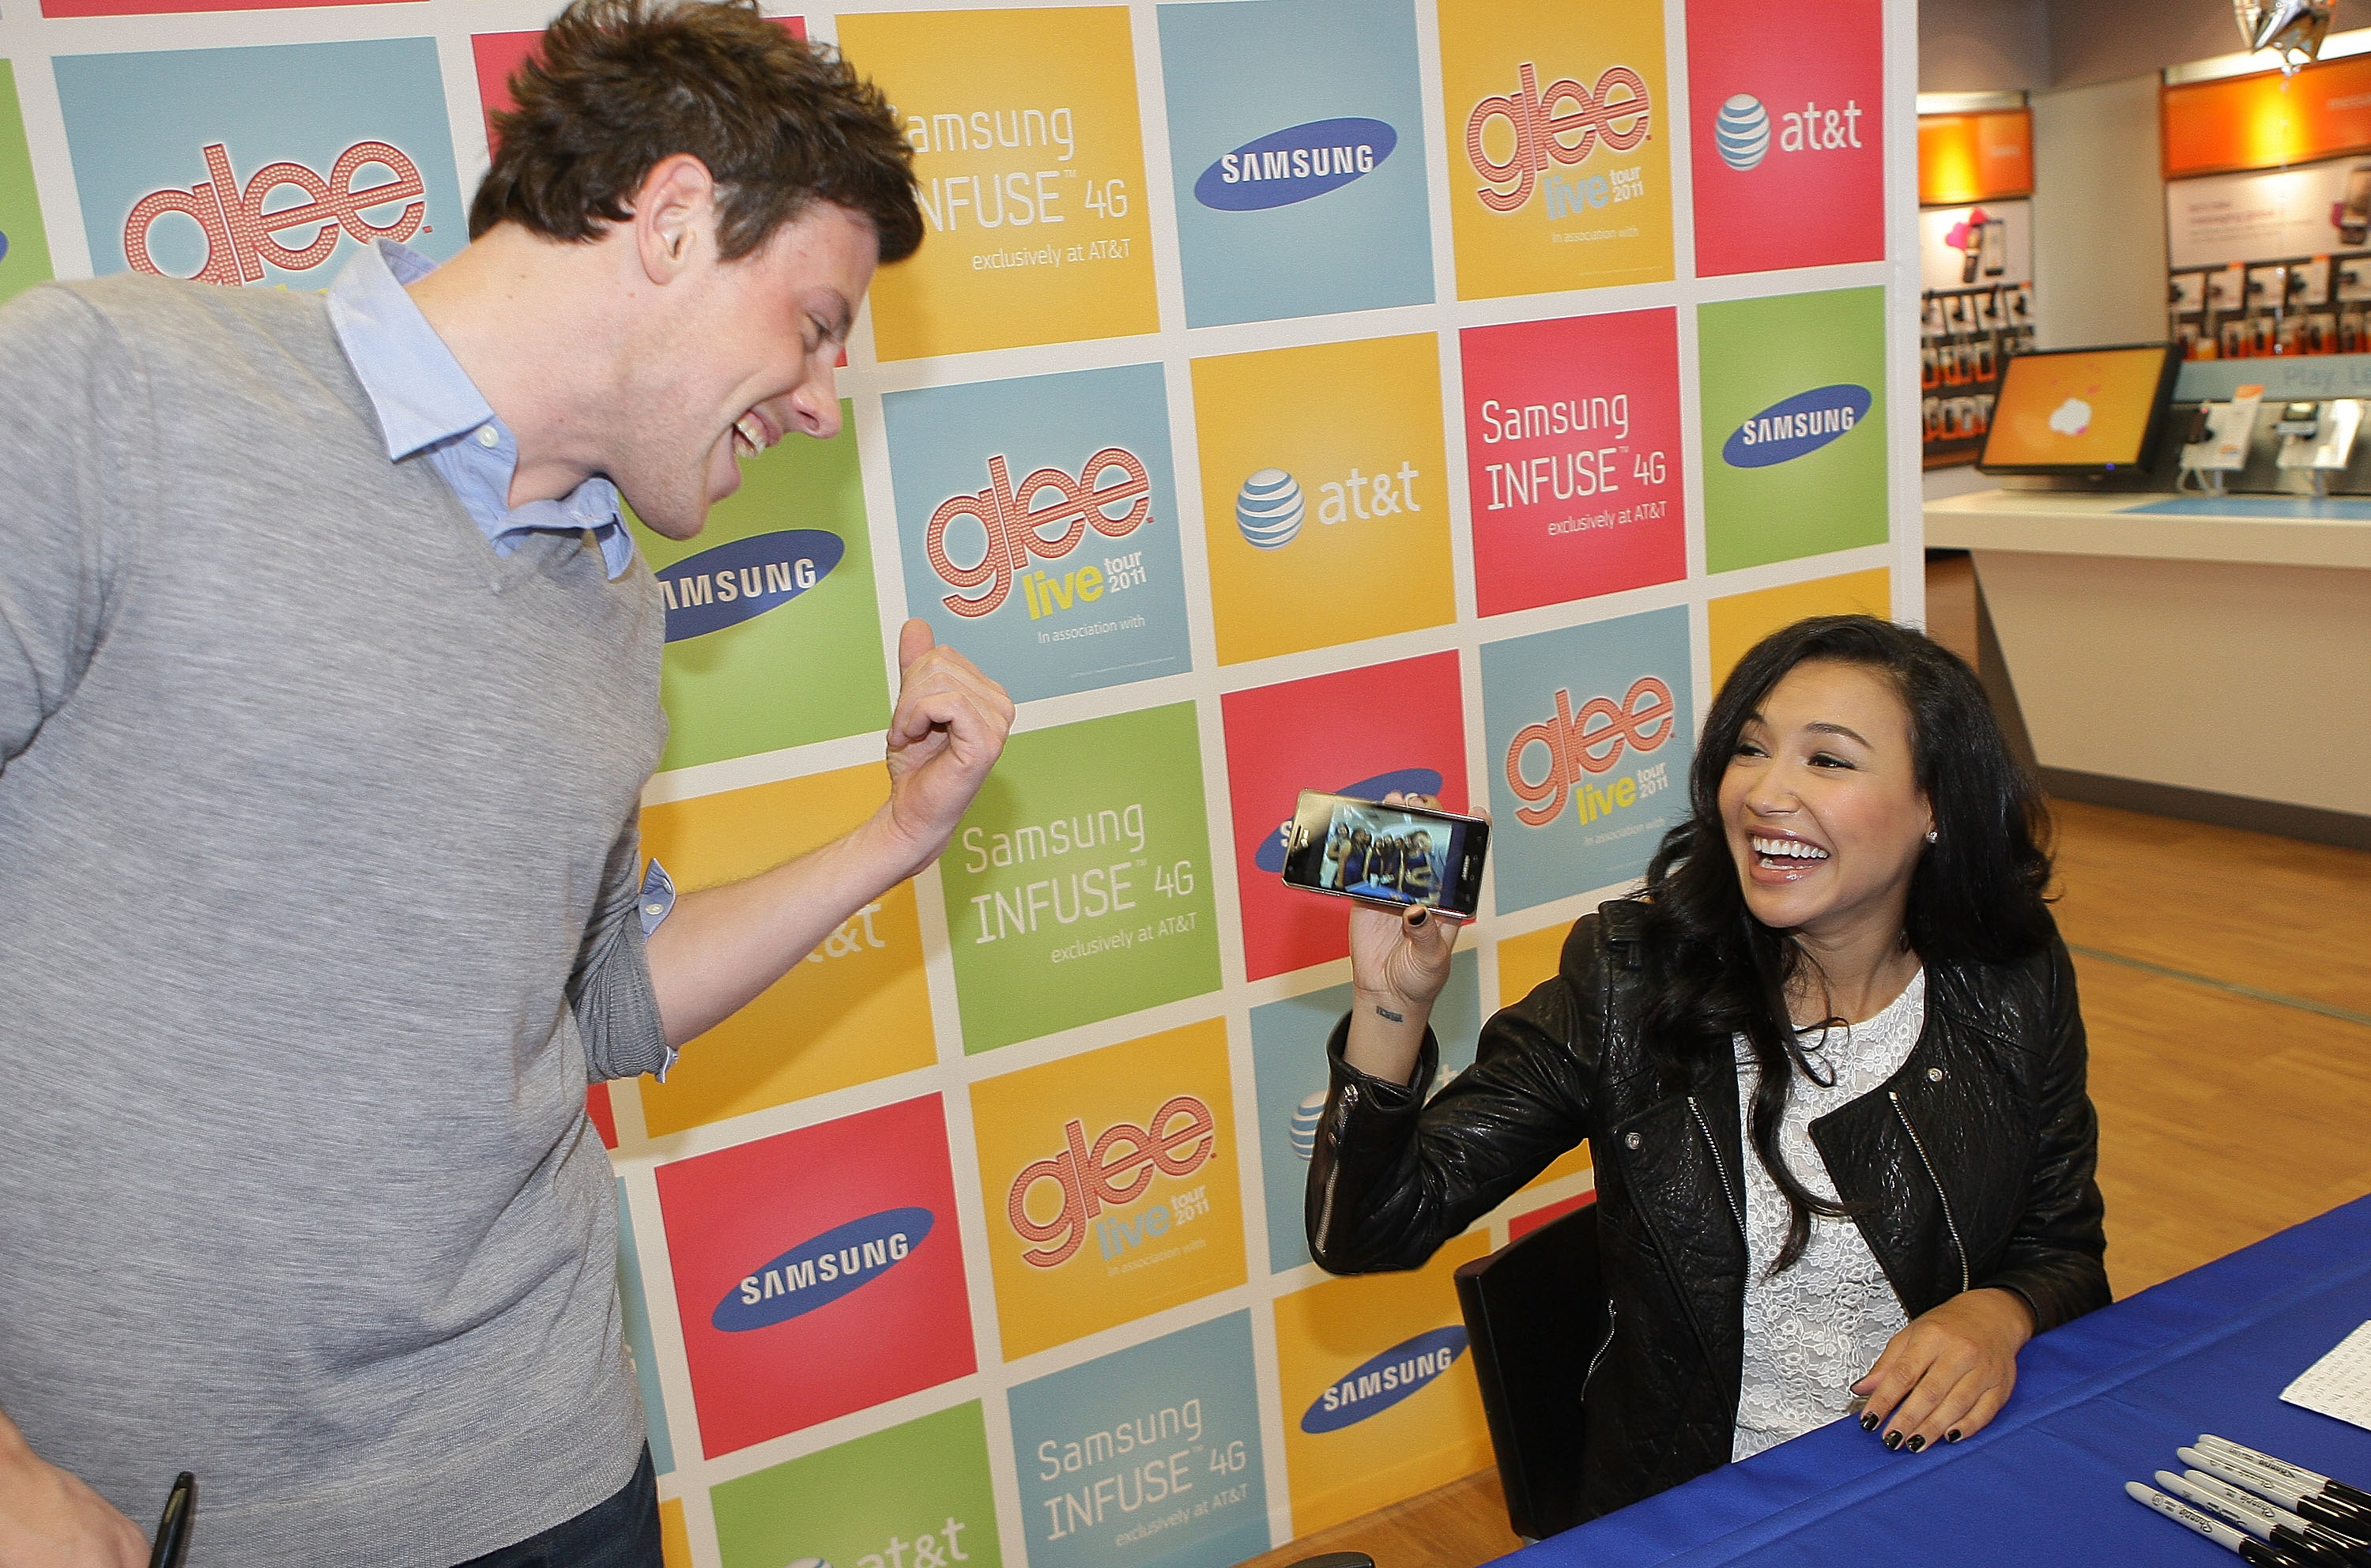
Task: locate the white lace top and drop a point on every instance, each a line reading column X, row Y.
column 1815, row 1330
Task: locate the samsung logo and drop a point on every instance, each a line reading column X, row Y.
column 822, row 1269
column 1294, row 164
column 743, row 579
column 1406, row 780
column 1803, row 423
column 1376, row 1386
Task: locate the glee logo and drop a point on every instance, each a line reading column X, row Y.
column 1017, row 528
column 1545, row 128
column 1588, row 741
column 238, row 231
column 1114, row 1170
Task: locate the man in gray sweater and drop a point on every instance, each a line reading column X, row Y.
column 329, row 686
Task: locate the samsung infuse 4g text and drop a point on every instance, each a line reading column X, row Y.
column 1394, row 855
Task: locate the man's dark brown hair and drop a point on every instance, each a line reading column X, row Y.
column 617, row 85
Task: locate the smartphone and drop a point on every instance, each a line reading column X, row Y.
column 1994, row 245
column 1394, row 855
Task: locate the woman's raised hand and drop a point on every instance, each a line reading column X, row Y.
column 1399, row 962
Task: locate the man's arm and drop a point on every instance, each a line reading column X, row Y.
column 69, row 403
column 51, row 1519
column 722, row 946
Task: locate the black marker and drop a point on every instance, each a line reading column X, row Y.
column 2249, row 1549
column 2307, row 1481
column 2264, row 1521
column 2342, row 1518
column 173, row 1529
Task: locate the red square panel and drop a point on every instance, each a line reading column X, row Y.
column 1359, row 732
column 1573, row 458
column 817, row 1272
column 1789, row 133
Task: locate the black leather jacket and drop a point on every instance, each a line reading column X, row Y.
column 1976, row 1159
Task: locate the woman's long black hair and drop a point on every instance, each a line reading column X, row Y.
column 1976, row 892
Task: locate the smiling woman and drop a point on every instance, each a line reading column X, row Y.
column 1829, row 1060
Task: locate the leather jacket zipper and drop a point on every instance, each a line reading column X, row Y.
column 1590, row 1376
column 1334, row 1171
column 1950, row 1223
column 1727, row 1190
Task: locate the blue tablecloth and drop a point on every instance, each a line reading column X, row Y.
column 2105, row 1400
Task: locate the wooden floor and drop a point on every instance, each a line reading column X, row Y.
column 2227, row 987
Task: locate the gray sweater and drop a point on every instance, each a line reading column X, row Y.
column 317, row 868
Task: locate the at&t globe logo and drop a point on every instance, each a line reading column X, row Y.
column 1269, row 508
column 1742, row 132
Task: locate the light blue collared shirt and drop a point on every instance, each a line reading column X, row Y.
column 426, row 402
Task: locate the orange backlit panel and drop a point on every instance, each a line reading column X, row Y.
column 1975, row 158
column 2264, row 121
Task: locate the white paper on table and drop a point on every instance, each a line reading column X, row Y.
column 2340, row 1383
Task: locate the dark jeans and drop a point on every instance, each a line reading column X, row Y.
column 620, row 1533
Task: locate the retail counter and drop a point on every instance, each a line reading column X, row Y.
column 2216, row 645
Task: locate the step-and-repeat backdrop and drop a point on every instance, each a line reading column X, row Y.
column 1356, row 393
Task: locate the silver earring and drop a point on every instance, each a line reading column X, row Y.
column 1931, row 836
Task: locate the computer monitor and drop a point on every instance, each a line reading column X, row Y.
column 2095, row 411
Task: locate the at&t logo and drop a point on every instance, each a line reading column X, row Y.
column 1271, row 505
column 1563, row 124
column 1018, row 529
column 1590, row 742
column 239, row 232
column 1741, row 130
column 1113, row 1171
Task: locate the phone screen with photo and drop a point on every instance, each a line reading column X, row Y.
column 1398, row 854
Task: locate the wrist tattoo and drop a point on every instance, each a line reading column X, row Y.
column 1395, row 1017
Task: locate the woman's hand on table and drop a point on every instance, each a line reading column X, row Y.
column 1948, row 1373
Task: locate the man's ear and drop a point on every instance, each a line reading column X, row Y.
column 674, row 214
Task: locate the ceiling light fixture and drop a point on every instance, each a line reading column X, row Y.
column 2293, row 29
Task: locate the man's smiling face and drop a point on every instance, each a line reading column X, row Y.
column 741, row 356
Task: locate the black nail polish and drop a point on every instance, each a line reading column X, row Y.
column 1868, row 1423
column 1952, row 1436
column 1916, row 1444
column 1893, row 1439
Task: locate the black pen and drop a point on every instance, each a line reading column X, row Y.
column 173, row 1529
column 2263, row 1520
column 2341, row 1518
column 2249, row 1549
column 2307, row 1481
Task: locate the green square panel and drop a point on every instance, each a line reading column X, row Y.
column 773, row 632
column 914, row 1495
column 1793, row 404
column 24, row 244
column 1077, row 887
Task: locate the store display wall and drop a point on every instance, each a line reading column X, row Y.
column 1356, row 393
column 2268, row 212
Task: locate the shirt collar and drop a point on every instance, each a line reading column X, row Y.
column 422, row 393
column 425, row 400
